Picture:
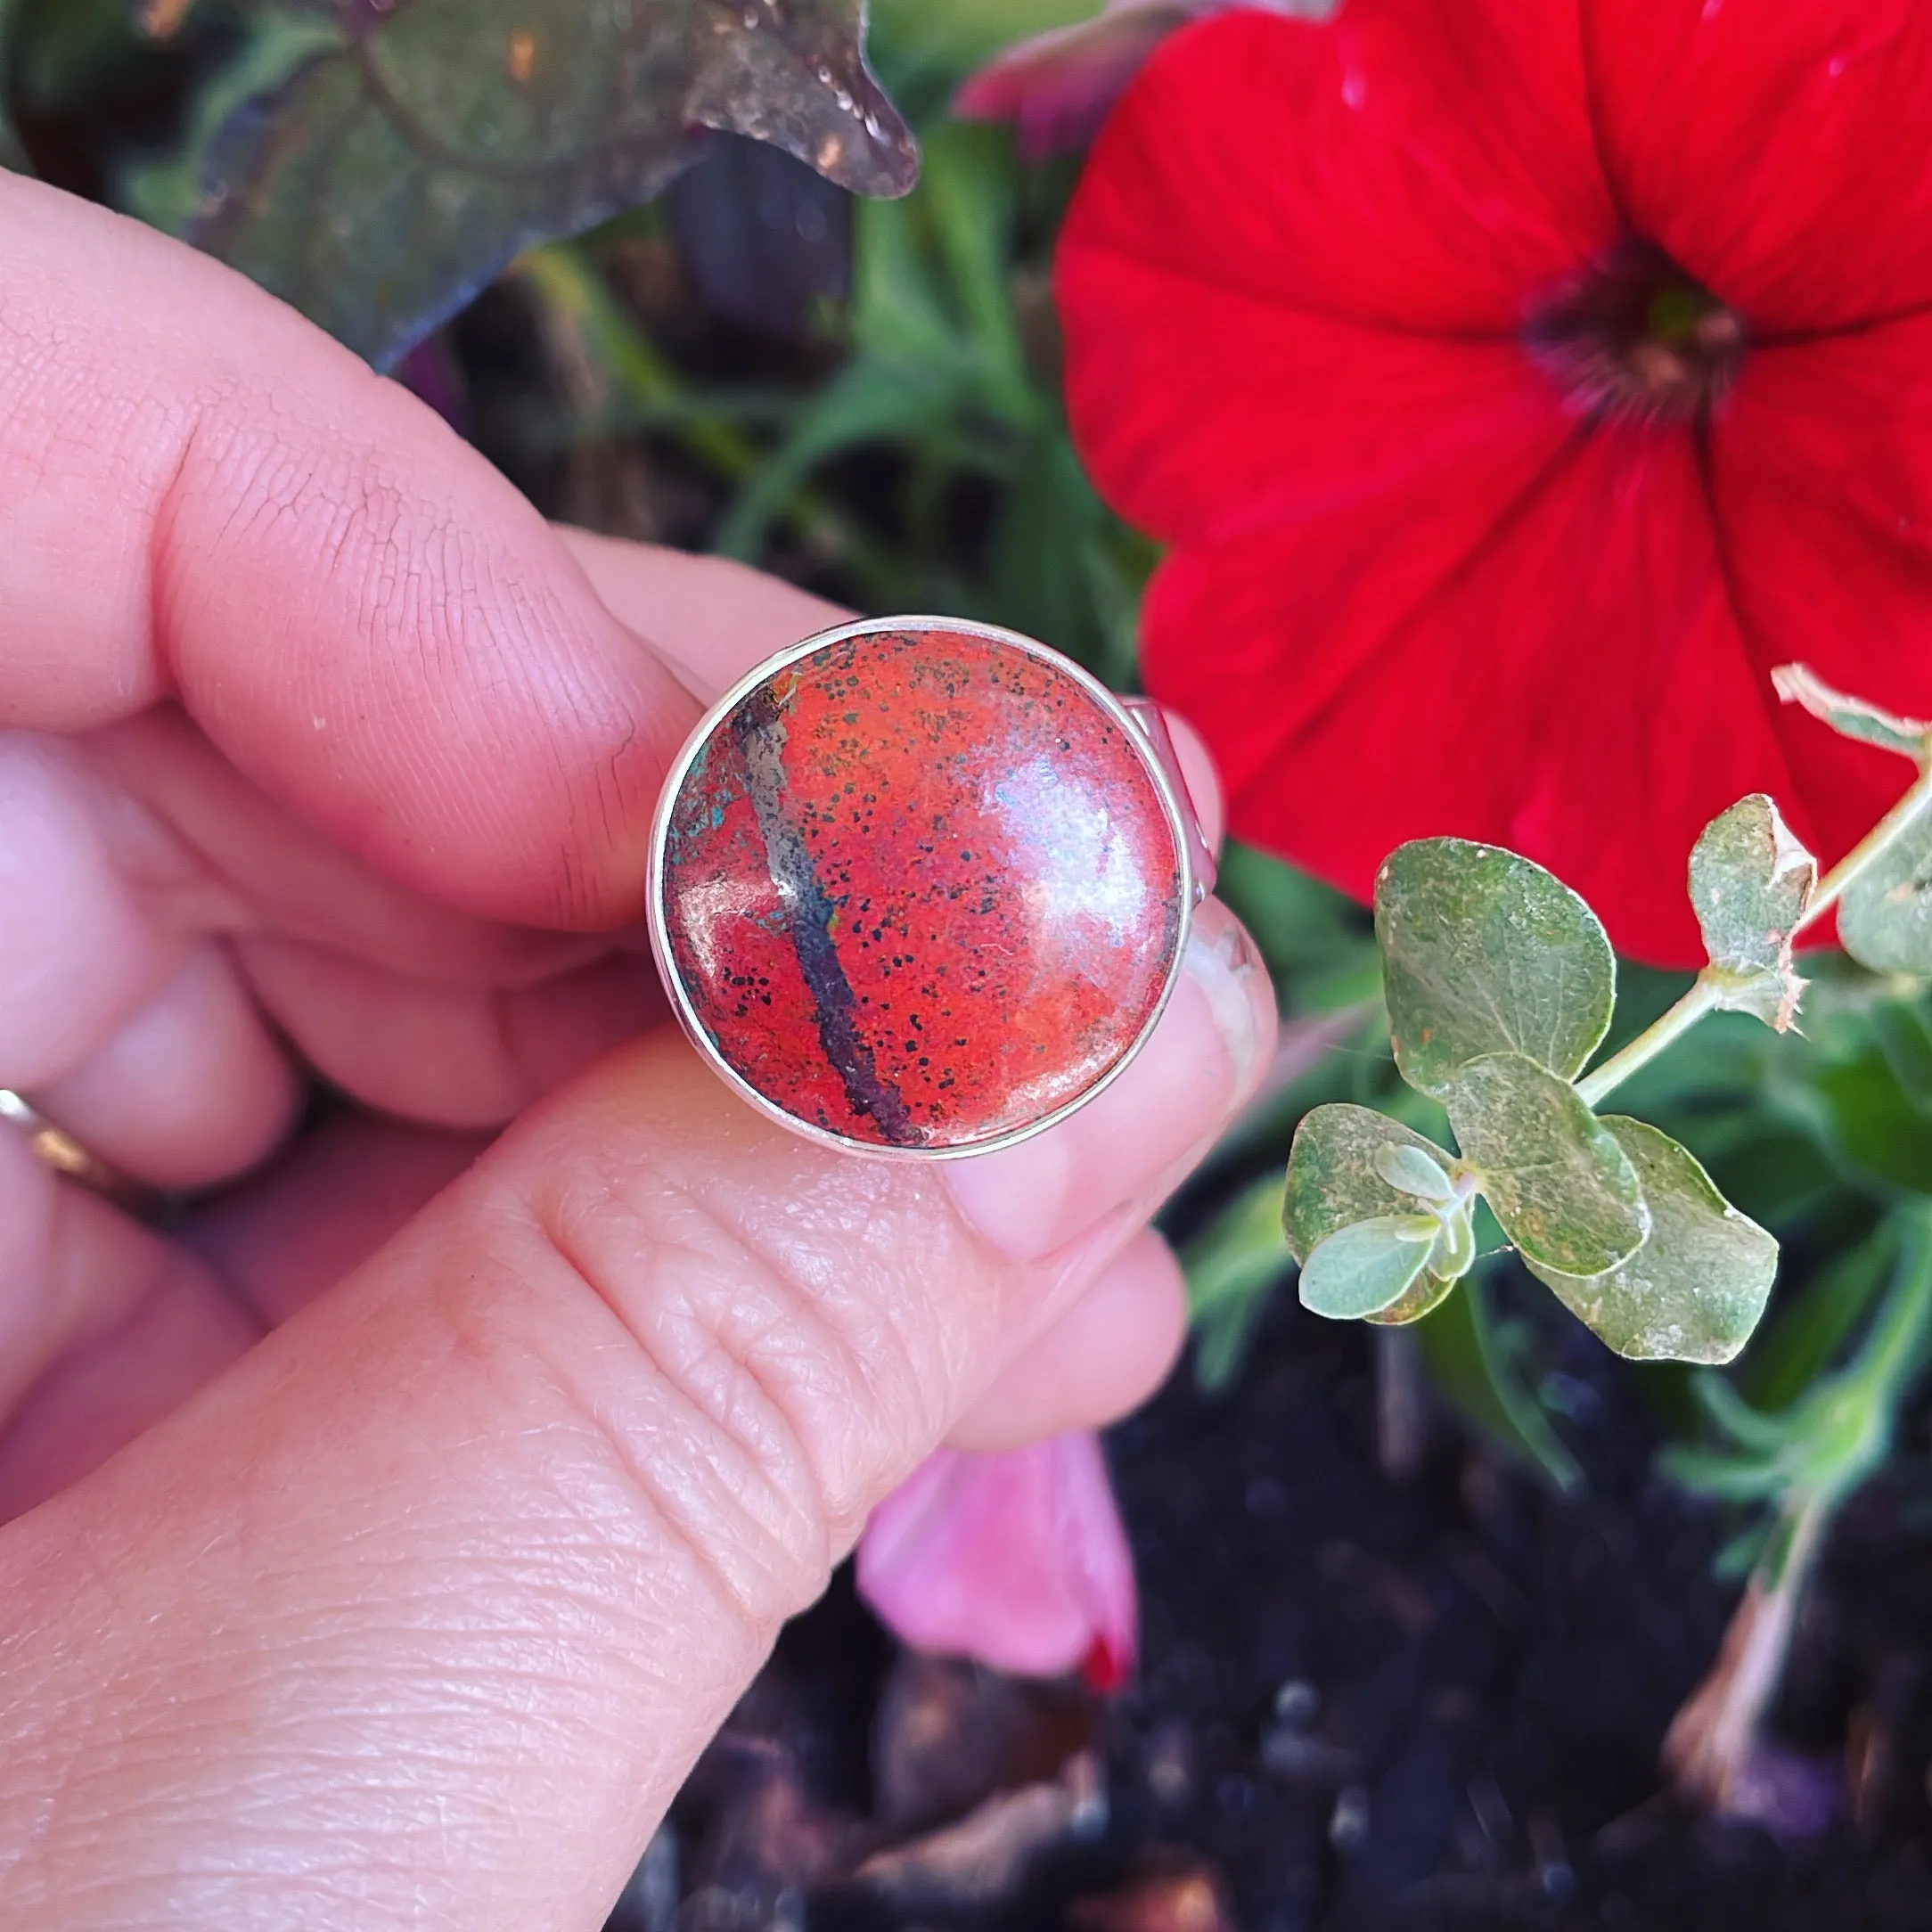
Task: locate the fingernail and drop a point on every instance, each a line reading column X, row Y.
column 1131, row 1142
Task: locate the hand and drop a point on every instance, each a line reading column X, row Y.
column 396, row 1534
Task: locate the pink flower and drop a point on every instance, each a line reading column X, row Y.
column 1017, row 1560
column 1058, row 87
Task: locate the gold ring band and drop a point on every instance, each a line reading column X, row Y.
column 60, row 1151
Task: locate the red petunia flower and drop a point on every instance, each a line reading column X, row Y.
column 1518, row 383
column 1017, row 1559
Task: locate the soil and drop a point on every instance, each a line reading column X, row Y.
column 1363, row 1704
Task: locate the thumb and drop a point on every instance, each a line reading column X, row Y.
column 421, row 1613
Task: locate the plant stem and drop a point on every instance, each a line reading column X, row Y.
column 1846, row 872
column 1714, row 1739
column 1711, row 1742
column 1889, row 1360
column 1595, row 1087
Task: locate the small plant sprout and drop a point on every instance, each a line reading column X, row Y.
column 1797, row 1466
column 1501, row 986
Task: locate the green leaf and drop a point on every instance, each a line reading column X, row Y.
column 1454, row 1252
column 1366, row 1267
column 1696, row 1288
column 400, row 169
column 167, row 189
column 1797, row 1347
column 1558, row 1180
column 1427, row 1295
column 1750, row 882
column 1335, row 1177
column 1484, row 952
column 1885, row 919
column 1850, row 717
column 1867, row 1124
column 1904, row 1038
column 1472, row 1359
column 1231, row 1267
column 1409, row 1171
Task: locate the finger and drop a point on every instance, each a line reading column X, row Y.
column 206, row 498
column 104, row 1327
column 449, row 1056
column 533, row 1490
column 76, row 956
column 190, row 1091
column 1103, row 1358
column 710, row 618
column 208, row 851
column 316, row 1215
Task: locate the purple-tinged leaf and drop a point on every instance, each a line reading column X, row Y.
column 399, row 170
column 1057, row 88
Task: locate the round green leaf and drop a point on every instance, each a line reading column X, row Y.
column 1695, row 1289
column 1885, row 919
column 1362, row 1269
column 1409, row 1171
column 1557, row 1179
column 1427, row 1295
column 1484, row 952
column 1454, row 1252
column 1335, row 1177
column 1750, row 882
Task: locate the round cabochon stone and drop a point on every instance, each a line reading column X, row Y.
column 921, row 888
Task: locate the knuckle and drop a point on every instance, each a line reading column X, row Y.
column 766, row 1387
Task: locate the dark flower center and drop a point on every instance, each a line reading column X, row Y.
column 1635, row 337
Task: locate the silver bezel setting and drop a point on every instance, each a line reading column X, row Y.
column 1131, row 716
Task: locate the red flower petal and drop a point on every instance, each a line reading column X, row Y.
column 1565, row 678
column 1017, row 1559
column 1209, row 413
column 1821, row 469
column 1398, row 166
column 1776, row 148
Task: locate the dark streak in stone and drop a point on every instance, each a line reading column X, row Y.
column 760, row 732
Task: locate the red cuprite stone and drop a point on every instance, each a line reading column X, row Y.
column 921, row 888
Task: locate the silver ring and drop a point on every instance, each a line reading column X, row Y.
column 921, row 887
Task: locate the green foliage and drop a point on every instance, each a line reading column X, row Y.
column 1231, row 1267
column 376, row 164
column 1851, row 717
column 1484, row 952
column 944, row 368
column 1338, row 1176
column 1367, row 1266
column 1885, row 919
column 1476, row 1361
column 1500, row 985
column 1751, row 882
column 1695, row 1289
column 1557, row 1179
column 1826, row 1441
